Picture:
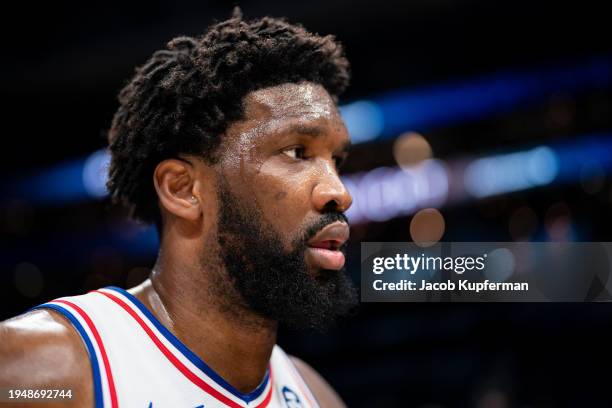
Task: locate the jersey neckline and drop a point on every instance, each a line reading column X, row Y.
column 190, row 355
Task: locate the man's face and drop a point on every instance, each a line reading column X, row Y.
column 281, row 226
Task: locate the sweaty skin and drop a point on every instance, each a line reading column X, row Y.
column 283, row 158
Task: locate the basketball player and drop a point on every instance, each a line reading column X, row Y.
column 230, row 143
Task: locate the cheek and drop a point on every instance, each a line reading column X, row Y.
column 283, row 195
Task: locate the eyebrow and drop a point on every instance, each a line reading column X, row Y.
column 315, row 131
column 307, row 130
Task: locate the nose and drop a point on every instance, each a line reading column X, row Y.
column 330, row 193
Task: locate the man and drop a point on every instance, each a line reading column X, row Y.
column 230, row 143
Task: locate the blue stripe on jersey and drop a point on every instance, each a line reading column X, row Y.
column 97, row 380
column 197, row 361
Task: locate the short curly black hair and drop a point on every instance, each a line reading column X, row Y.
column 184, row 97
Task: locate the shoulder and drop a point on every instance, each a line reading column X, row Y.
column 41, row 350
column 323, row 392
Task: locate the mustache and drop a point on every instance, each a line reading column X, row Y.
column 322, row 222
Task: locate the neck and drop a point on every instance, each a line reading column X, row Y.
column 236, row 344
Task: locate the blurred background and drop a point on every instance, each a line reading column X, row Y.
column 472, row 121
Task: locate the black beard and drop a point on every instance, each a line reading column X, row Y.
column 271, row 282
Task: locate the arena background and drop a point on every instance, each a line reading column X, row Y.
column 467, row 83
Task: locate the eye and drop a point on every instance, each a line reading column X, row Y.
column 296, row 152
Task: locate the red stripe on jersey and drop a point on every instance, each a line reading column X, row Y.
column 268, row 398
column 94, row 331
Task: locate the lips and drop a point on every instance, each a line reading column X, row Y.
column 324, row 248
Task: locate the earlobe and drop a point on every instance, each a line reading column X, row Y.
column 174, row 182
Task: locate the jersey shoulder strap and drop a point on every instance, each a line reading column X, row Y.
column 77, row 309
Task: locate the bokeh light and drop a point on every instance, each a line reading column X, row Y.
column 383, row 193
column 410, row 149
column 427, row 227
column 493, row 398
column 516, row 171
column 95, row 173
column 557, row 222
column 364, row 120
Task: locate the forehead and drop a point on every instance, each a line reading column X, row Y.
column 303, row 100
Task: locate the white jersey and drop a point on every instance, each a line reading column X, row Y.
column 138, row 363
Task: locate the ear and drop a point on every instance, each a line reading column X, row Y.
column 175, row 185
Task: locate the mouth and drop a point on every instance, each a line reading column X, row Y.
column 324, row 249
